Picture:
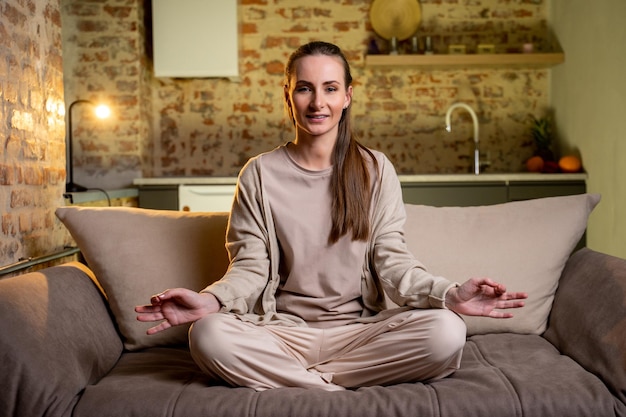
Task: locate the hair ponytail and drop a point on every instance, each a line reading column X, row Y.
column 350, row 182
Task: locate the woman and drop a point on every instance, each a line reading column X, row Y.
column 316, row 245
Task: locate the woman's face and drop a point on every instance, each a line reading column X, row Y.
column 317, row 95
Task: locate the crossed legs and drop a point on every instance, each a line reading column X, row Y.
column 414, row 345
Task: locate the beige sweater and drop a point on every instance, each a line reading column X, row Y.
column 248, row 289
column 320, row 281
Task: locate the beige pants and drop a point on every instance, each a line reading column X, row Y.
column 414, row 345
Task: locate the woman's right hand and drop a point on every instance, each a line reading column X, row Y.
column 176, row 306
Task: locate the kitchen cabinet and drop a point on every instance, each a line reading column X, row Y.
column 184, row 197
column 159, row 197
column 207, row 198
column 522, row 190
column 186, row 193
column 438, row 190
column 429, row 189
column 454, row 193
column 487, row 190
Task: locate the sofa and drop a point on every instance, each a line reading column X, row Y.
column 70, row 344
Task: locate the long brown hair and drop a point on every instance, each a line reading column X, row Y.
column 350, row 182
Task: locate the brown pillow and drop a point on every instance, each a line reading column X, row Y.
column 136, row 253
column 524, row 245
column 55, row 338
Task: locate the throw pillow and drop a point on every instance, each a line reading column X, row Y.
column 136, row 253
column 523, row 245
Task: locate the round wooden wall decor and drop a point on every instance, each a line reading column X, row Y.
column 395, row 18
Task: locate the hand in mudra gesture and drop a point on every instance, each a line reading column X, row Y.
column 483, row 297
column 176, row 306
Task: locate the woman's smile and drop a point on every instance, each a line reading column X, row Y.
column 317, row 117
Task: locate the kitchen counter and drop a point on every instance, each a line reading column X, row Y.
column 491, row 177
column 98, row 195
column 185, row 181
column 408, row 179
column 216, row 193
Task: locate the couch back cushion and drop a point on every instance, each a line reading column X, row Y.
column 523, row 245
column 56, row 337
column 136, row 253
column 588, row 319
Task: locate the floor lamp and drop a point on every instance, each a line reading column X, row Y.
column 102, row 112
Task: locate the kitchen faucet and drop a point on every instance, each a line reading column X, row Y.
column 475, row 120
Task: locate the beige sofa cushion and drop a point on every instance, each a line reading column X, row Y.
column 136, row 253
column 522, row 244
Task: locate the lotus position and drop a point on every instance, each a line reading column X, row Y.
column 316, row 246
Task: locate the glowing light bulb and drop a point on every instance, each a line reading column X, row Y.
column 103, row 111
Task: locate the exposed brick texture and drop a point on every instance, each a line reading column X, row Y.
column 105, row 62
column 399, row 111
column 212, row 126
column 32, row 155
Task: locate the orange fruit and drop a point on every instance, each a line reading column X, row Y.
column 534, row 164
column 570, row 163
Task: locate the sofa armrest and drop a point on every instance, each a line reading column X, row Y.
column 588, row 317
column 56, row 337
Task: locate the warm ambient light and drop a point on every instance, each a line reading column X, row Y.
column 102, row 111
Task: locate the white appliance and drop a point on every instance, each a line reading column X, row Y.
column 195, row 38
column 206, row 197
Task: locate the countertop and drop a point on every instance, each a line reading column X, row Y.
column 492, row 177
column 98, row 194
column 405, row 179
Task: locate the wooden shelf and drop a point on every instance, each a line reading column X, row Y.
column 533, row 60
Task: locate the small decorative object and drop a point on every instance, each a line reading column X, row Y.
column 415, row 45
column 394, row 46
column 542, row 134
column 528, row 48
column 372, row 47
column 395, row 20
column 543, row 160
column 486, row 48
column 570, row 164
column 428, row 50
column 535, row 164
column 457, row 49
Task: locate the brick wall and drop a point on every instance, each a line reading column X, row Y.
column 105, row 61
column 32, row 148
column 211, row 127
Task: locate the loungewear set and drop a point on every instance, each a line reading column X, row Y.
column 298, row 311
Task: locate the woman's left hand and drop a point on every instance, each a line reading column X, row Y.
column 483, row 297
